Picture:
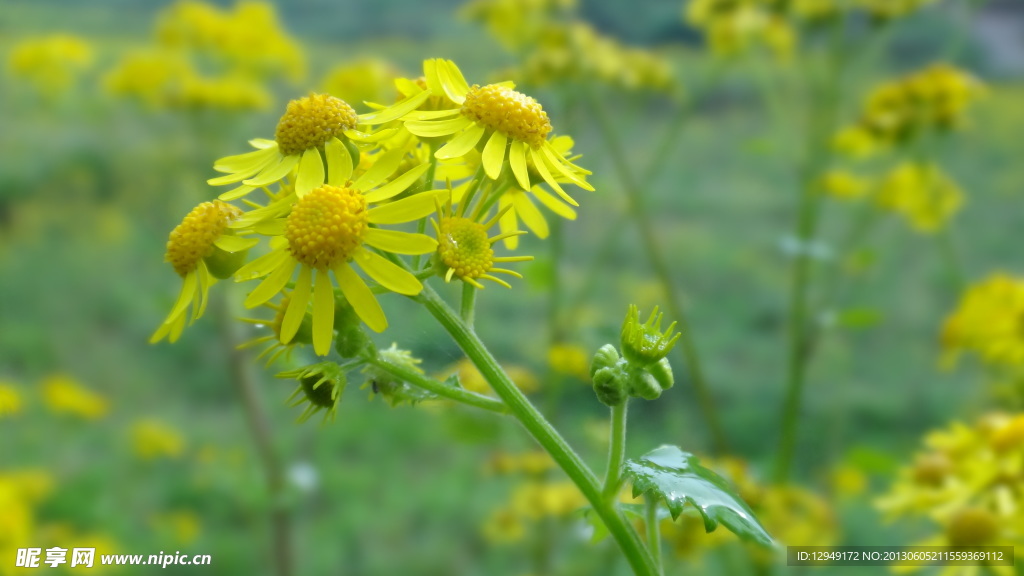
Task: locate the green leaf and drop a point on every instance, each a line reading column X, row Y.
column 678, row 477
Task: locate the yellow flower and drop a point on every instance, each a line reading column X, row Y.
column 848, row 480
column 570, row 359
column 515, row 23
column 201, row 249
column 856, row 142
column 534, row 500
column 504, row 526
column 922, row 194
column 328, row 229
column 844, row 185
column 152, row 440
column 63, row 395
column 464, row 249
column 10, row 399
column 182, row 525
column 988, row 322
column 50, row 63
column 534, row 463
column 311, row 125
column 889, row 9
column 514, row 125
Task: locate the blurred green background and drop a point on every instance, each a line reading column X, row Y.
column 91, row 184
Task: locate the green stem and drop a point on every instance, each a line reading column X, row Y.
column 542, row 431
column 653, row 529
column 638, row 211
column 430, row 385
column 616, row 451
column 468, row 308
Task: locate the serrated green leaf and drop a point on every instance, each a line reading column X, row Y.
column 678, row 478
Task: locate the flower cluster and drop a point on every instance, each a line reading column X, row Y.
column 553, row 49
column 337, row 184
column 935, row 99
column 920, row 193
column 51, row 64
column 989, row 322
column 969, row 480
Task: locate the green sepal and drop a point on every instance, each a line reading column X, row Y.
column 223, row 265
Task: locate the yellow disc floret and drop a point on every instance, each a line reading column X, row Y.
column 972, row 527
column 463, row 246
column 512, row 113
column 311, row 121
column 326, row 226
column 193, row 239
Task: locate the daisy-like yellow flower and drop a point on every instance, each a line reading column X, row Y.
column 314, row 133
column 514, row 126
column 988, row 322
column 63, row 395
column 844, row 185
column 10, row 400
column 152, row 440
column 465, row 250
column 201, row 249
column 518, row 204
column 329, row 229
column 922, row 194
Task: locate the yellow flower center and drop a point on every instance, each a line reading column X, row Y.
column 972, row 527
column 464, row 247
column 193, row 239
column 512, row 113
column 931, row 469
column 311, row 121
column 326, row 226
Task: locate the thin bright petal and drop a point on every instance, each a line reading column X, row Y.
column 494, row 154
column 383, row 167
column 556, row 161
column 203, row 290
column 541, row 166
column 434, row 128
column 432, row 114
column 187, row 295
column 452, row 80
column 255, row 159
column 261, row 266
column 323, row 313
column 274, row 173
column 508, row 222
column 397, row 111
column 236, row 193
column 298, row 302
column 461, row 145
column 387, row 273
column 398, row 185
column 311, row 172
column 517, row 159
column 272, row 284
column 398, row 242
column 407, row 209
column 235, row 243
column 339, row 162
column 531, row 216
column 377, row 136
column 361, row 298
column 553, row 204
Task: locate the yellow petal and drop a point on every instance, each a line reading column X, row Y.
column 256, row 159
column 434, row 128
column 311, row 172
column 494, row 154
column 553, row 204
column 432, row 77
column 298, row 302
column 339, row 162
column 461, row 145
column 272, row 227
column 508, row 222
column 235, row 243
column 407, row 209
column 272, row 284
column 361, row 298
column 274, row 173
column 517, row 159
column 383, row 167
column 377, row 136
column 541, row 166
column 185, row 297
column 399, row 242
column 397, row 111
column 398, row 185
column 323, row 313
column 452, row 81
column 432, row 114
column 556, row 161
column 236, row 193
column 261, row 266
column 202, row 290
column 387, row 273
column 531, row 216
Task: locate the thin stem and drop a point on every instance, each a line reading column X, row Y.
column 542, row 431
column 468, row 307
column 638, row 211
column 653, row 529
column 616, row 451
column 262, row 436
column 430, row 385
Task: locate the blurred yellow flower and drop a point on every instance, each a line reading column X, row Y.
column 51, row 64
column 64, row 395
column 925, row 196
column 570, row 360
column 515, row 23
column 889, row 9
column 472, row 380
column 10, row 399
column 733, row 28
column 183, row 526
column 152, row 439
column 504, row 526
column 988, row 322
column 848, row 480
column 534, row 463
column 844, row 185
column 534, row 500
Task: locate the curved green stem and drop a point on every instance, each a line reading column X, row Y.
column 653, row 529
column 616, row 451
column 638, row 211
column 468, row 308
column 542, row 431
column 430, row 385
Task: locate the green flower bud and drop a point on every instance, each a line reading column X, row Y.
column 610, row 385
column 605, row 357
column 352, row 340
column 640, row 383
column 644, row 344
column 393, row 389
column 320, row 385
column 662, row 372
